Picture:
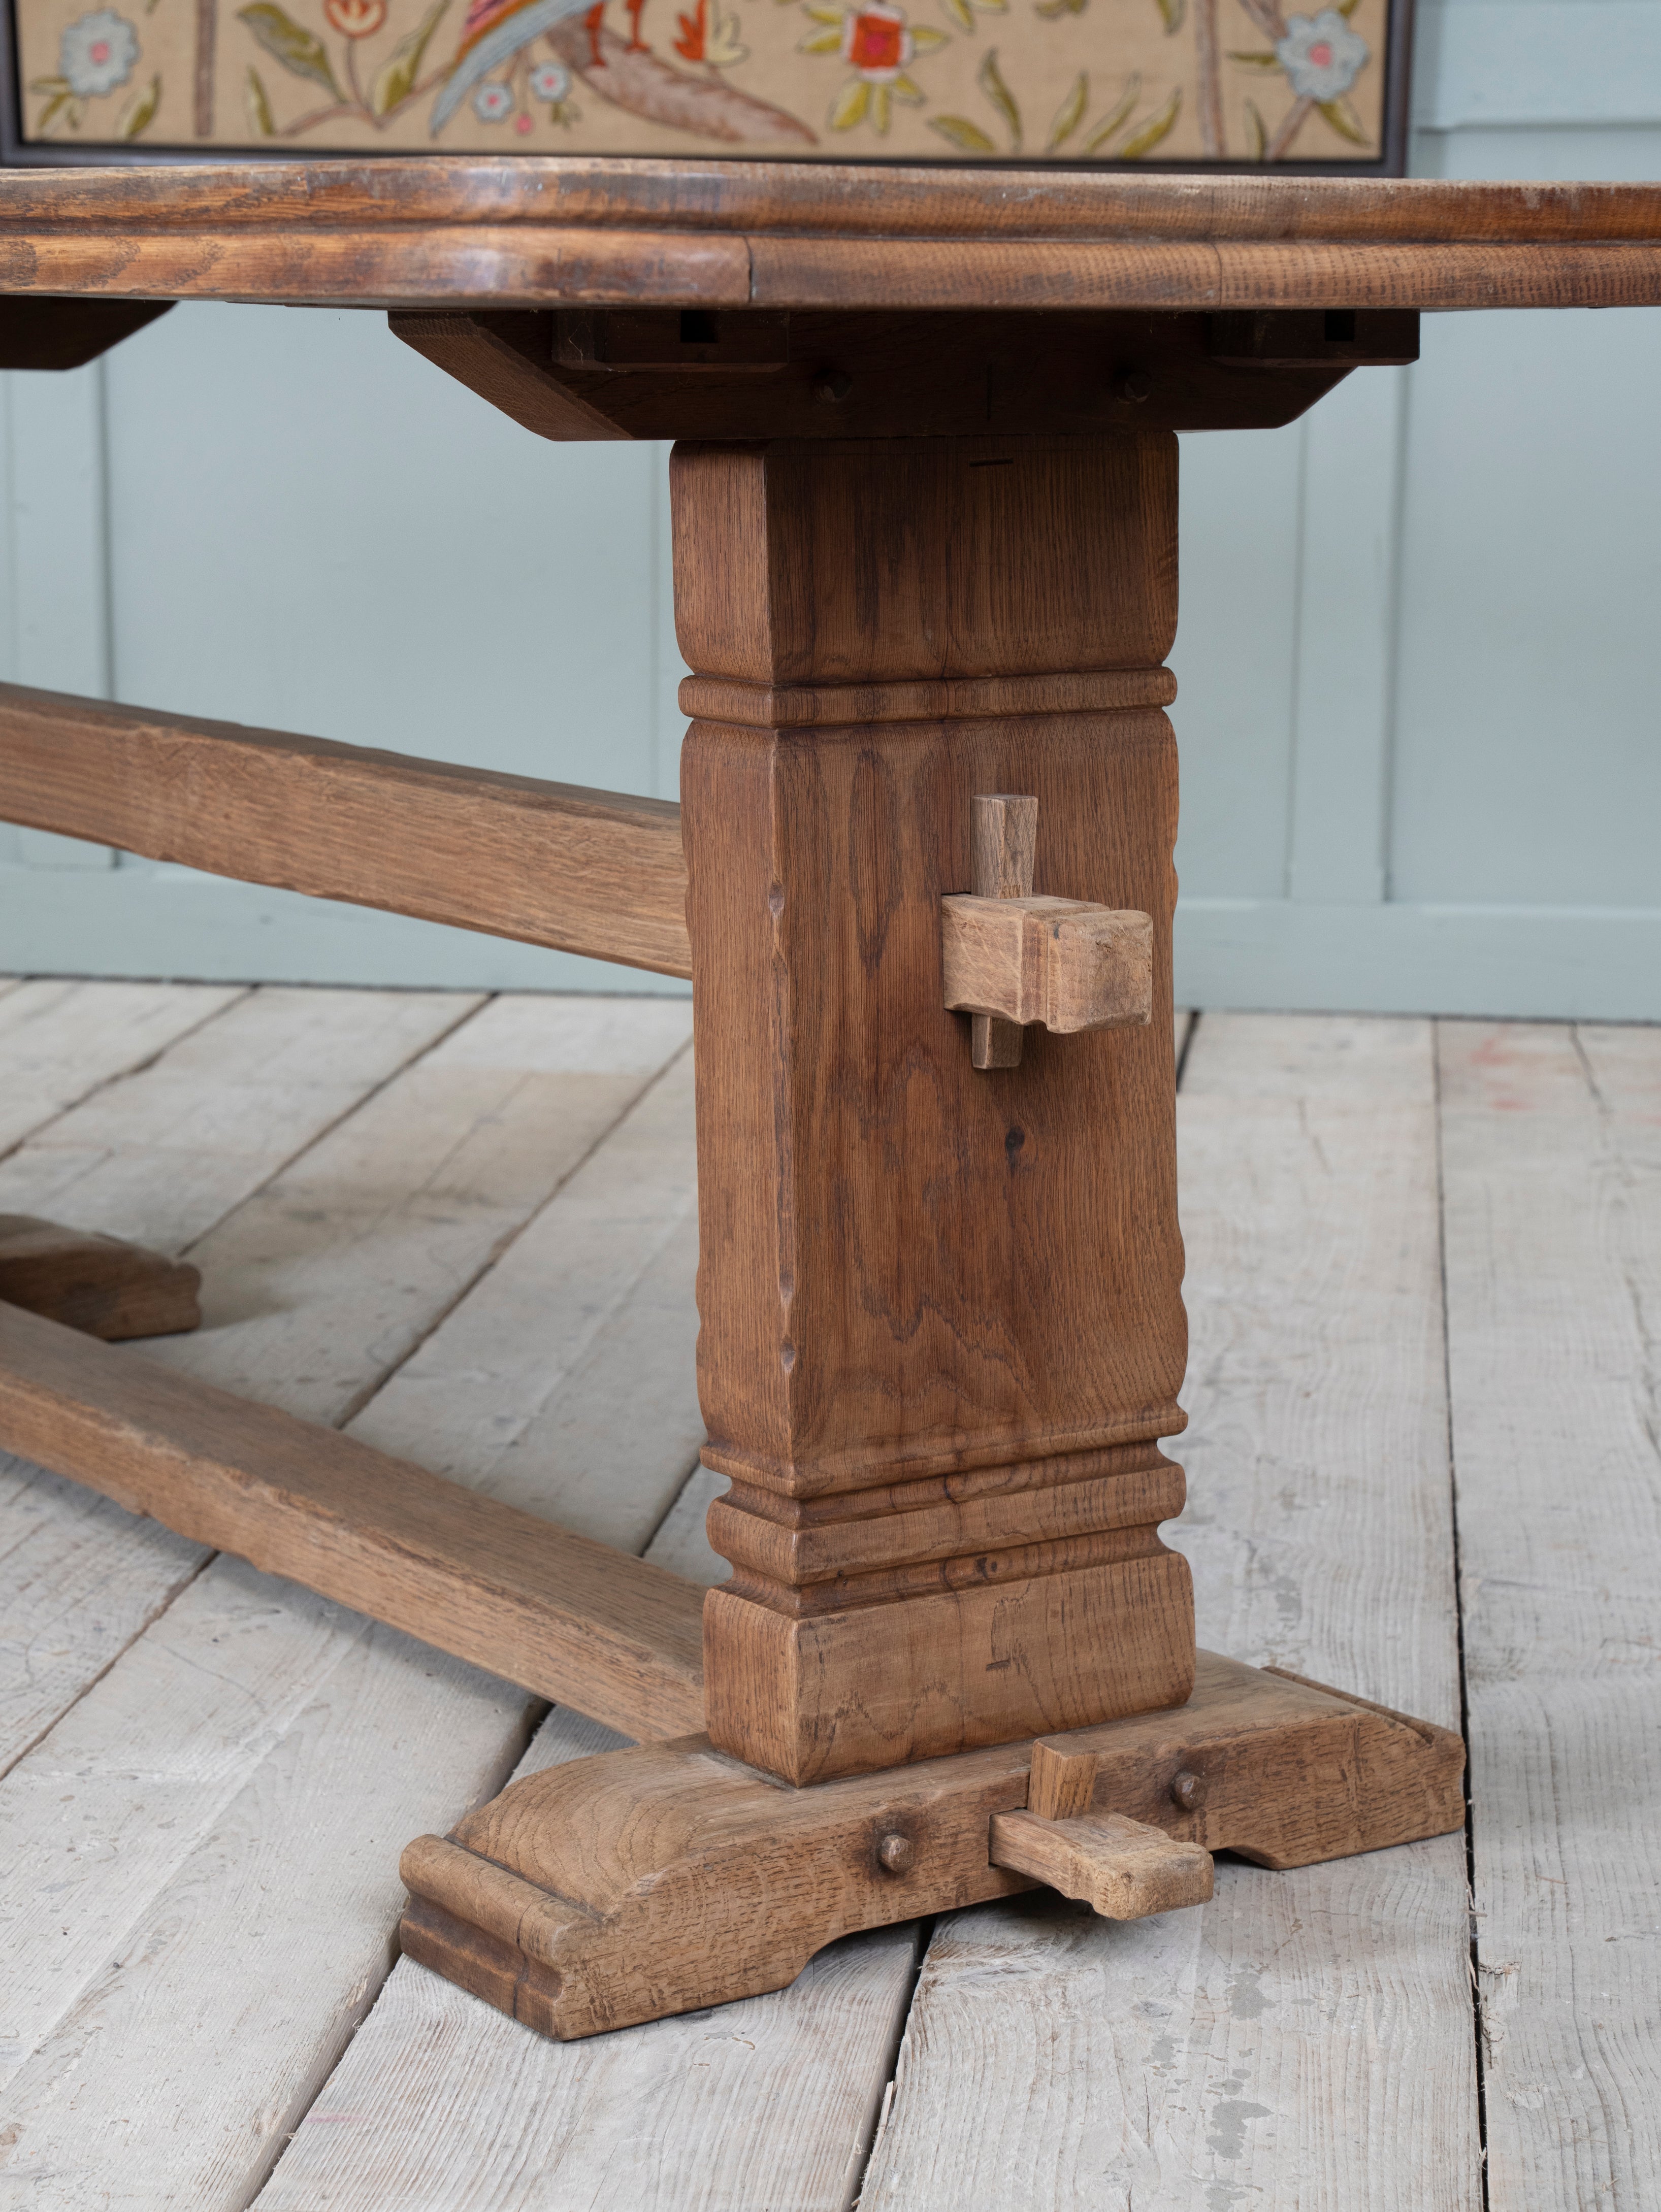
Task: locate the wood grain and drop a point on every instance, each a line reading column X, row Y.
column 644, row 1882
column 553, row 864
column 865, row 372
column 1553, row 1179
column 1004, row 835
column 1063, row 964
column 1121, row 1869
column 1304, row 2040
column 911, row 1270
column 552, row 1611
column 460, row 231
column 98, row 1284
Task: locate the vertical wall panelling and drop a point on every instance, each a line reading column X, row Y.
column 1343, row 695
column 54, row 627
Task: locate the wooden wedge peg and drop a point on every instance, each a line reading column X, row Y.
column 1062, row 962
column 1121, row 1869
column 1006, row 832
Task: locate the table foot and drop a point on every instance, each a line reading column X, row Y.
column 99, row 1285
column 639, row 1883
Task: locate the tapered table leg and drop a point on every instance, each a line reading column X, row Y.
column 941, row 1326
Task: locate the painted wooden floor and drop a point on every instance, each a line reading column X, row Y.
column 1424, row 1283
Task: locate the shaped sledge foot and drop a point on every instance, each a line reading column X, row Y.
column 99, row 1285
column 663, row 1879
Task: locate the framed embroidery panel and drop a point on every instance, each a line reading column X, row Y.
column 1163, row 84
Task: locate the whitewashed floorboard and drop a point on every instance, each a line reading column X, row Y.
column 444, row 2104
column 566, row 1383
column 1551, row 1164
column 249, row 1891
column 333, row 1273
column 59, row 1041
column 159, row 1156
column 1304, row 2043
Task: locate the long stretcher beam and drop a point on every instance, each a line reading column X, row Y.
column 563, row 1616
column 592, row 872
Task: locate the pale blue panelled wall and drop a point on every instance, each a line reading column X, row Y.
column 1419, row 655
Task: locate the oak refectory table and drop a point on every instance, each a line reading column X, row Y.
column 925, row 548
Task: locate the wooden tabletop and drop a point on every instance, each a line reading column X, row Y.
column 446, row 231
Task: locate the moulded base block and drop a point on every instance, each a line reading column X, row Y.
column 638, row 1883
column 876, row 1687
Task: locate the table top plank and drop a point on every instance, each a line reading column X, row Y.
column 454, row 231
column 1306, row 2038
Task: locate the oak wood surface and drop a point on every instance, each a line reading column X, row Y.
column 1122, row 1869
column 638, row 1883
column 460, row 231
column 1063, row 964
column 589, row 872
column 1551, row 1165
column 913, row 1272
column 882, row 372
column 1004, row 834
column 95, row 1283
column 542, row 1607
column 1306, row 2038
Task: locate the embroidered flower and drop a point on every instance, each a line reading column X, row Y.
column 549, row 81
column 1321, row 54
column 97, row 53
column 355, row 19
column 493, row 103
column 880, row 45
column 876, row 40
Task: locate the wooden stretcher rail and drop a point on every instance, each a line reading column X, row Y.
column 554, row 863
column 563, row 1616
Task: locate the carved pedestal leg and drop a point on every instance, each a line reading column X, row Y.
column 942, row 1332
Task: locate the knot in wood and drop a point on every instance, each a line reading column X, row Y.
column 1188, row 1790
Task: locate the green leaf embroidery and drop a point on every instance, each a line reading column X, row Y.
column 849, row 105
column 140, row 111
column 1117, row 118
column 51, row 84
column 1172, row 11
column 396, row 78
column 968, row 137
column 1049, row 10
column 261, row 121
column 284, row 40
column 1258, row 131
column 1344, row 120
column 989, row 77
column 1256, row 61
column 1070, row 114
column 1152, row 132
column 53, row 108
column 958, row 11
